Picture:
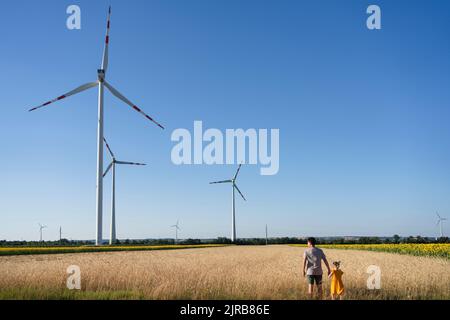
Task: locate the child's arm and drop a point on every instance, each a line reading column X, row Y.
column 330, row 274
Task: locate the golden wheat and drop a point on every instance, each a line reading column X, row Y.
column 234, row 272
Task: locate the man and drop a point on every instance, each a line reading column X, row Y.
column 312, row 267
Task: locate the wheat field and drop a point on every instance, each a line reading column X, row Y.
column 234, row 272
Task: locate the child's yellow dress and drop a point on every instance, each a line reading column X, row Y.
column 337, row 286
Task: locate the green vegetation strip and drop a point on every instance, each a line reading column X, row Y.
column 8, row 251
column 441, row 250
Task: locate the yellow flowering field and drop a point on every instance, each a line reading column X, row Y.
column 426, row 249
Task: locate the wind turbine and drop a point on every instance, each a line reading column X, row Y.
column 266, row 235
column 40, row 231
column 176, row 231
column 233, row 211
column 439, row 223
column 100, row 83
column 112, row 238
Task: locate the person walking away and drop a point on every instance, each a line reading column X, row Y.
column 312, row 267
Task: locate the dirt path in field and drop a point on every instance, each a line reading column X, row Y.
column 238, row 272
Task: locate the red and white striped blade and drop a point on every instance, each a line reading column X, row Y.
column 132, row 163
column 68, row 94
column 109, row 149
column 128, row 102
column 106, row 49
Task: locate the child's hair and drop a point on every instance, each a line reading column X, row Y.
column 337, row 264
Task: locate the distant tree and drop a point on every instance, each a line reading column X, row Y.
column 396, row 238
column 443, row 240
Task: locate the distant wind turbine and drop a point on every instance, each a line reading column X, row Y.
column 41, row 227
column 439, row 223
column 100, row 83
column 112, row 238
column 176, row 231
column 266, row 235
column 233, row 211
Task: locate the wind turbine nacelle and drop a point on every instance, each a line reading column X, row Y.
column 101, row 74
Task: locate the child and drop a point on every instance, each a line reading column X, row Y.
column 337, row 287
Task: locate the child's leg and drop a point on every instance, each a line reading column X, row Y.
column 333, row 296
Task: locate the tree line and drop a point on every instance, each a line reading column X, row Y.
column 396, row 239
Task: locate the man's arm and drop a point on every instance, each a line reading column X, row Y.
column 304, row 265
column 326, row 264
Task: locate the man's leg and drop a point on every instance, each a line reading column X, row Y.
column 319, row 286
column 310, row 290
column 319, row 290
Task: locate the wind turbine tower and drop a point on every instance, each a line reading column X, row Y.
column 41, row 227
column 266, row 235
column 233, row 211
column 114, row 162
column 100, row 84
column 176, row 230
column 439, row 223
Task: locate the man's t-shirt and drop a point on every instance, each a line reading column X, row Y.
column 314, row 257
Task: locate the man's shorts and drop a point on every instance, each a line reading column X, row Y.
column 314, row 278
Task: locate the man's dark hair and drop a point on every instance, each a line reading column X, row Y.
column 312, row 240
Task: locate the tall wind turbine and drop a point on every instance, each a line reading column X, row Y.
column 41, row 227
column 112, row 238
column 439, row 223
column 176, row 231
column 100, row 83
column 233, row 211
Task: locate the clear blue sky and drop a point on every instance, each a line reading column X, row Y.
column 363, row 116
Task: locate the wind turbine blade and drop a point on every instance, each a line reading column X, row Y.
column 107, row 169
column 131, row 163
column 109, row 149
column 68, row 94
column 240, row 192
column 224, row 181
column 128, row 102
column 237, row 172
column 106, row 48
